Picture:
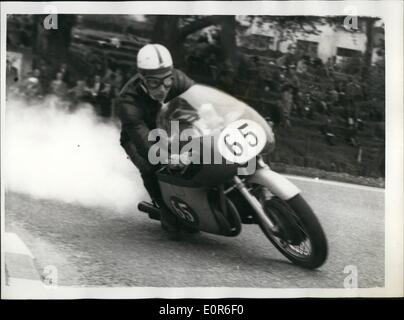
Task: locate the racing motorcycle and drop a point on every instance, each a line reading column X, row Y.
column 218, row 197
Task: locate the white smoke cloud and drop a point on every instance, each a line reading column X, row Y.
column 73, row 157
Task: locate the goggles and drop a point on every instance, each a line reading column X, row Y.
column 154, row 83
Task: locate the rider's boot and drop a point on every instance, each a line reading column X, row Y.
column 170, row 224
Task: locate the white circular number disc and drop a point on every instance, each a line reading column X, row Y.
column 241, row 141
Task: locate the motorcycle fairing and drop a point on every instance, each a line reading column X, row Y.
column 196, row 197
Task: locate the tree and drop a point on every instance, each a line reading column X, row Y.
column 228, row 38
column 173, row 30
column 184, row 26
column 369, row 25
column 53, row 44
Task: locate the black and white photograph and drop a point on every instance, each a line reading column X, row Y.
column 184, row 150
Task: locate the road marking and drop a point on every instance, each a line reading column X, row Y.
column 13, row 244
column 20, row 266
column 19, row 263
column 25, row 284
column 335, row 183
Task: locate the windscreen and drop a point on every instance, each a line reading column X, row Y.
column 203, row 110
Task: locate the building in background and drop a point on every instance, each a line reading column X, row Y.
column 329, row 42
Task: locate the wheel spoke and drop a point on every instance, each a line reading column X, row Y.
column 303, row 250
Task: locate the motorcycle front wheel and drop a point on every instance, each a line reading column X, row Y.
column 298, row 235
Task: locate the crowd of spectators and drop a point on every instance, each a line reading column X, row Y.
column 98, row 89
column 294, row 85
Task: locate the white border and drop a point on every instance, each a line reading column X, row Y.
column 389, row 11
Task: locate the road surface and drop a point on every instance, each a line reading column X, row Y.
column 98, row 247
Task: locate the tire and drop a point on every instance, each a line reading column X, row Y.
column 297, row 222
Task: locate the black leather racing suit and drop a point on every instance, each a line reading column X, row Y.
column 137, row 113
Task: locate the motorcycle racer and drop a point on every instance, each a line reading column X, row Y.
column 138, row 104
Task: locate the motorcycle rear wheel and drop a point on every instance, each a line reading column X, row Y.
column 301, row 238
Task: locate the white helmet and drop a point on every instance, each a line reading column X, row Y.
column 154, row 59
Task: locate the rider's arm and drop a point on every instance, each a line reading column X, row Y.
column 132, row 122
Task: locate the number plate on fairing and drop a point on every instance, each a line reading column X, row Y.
column 241, row 141
column 183, row 211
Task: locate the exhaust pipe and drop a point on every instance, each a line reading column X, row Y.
column 150, row 209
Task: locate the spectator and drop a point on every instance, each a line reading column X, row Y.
column 353, row 95
column 109, row 74
column 105, row 101
column 79, row 93
column 278, row 81
column 287, row 105
column 287, row 58
column 323, row 107
column 328, row 132
column 333, row 97
column 31, row 87
column 308, row 106
column 294, row 81
column 318, row 66
column 351, row 133
column 96, row 87
column 301, row 67
column 97, row 67
column 64, row 70
column 45, row 75
column 330, row 66
column 299, row 104
column 58, row 86
column 342, row 97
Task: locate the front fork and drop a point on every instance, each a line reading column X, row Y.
column 253, row 201
column 276, row 183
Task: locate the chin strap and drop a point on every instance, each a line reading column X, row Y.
column 136, row 80
column 145, row 88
